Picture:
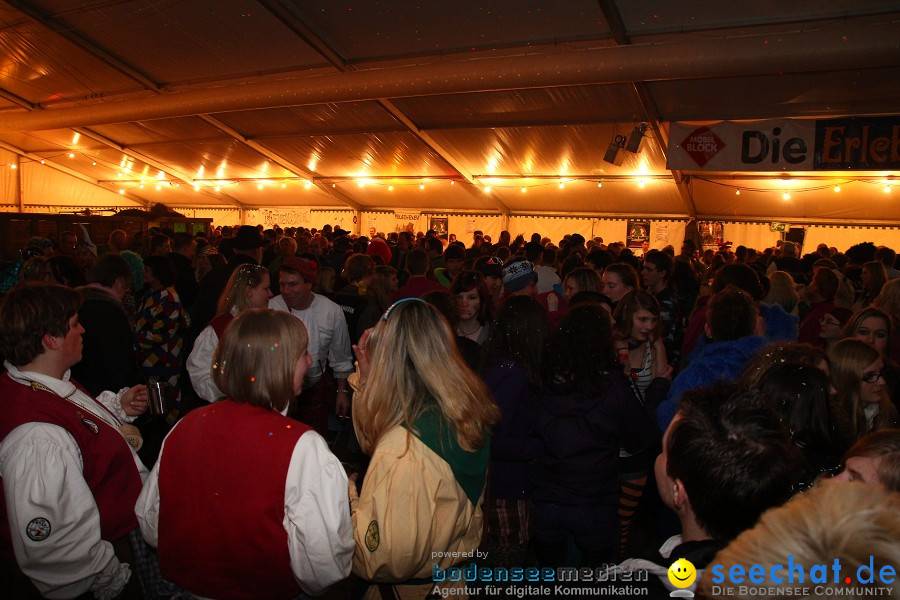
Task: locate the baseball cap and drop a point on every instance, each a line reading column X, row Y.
column 517, row 274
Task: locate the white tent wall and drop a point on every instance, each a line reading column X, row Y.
column 220, row 216
column 843, row 237
column 42, row 187
column 464, row 225
column 753, row 235
column 9, row 179
column 298, row 217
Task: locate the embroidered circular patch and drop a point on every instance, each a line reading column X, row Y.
column 372, row 537
column 38, row 529
column 90, row 425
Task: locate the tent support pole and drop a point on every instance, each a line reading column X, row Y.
column 19, row 192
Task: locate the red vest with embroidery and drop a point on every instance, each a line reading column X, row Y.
column 108, row 464
column 221, row 502
column 220, row 323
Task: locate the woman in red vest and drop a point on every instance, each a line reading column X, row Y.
column 248, row 287
column 245, row 503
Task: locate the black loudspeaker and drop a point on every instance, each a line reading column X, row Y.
column 796, row 235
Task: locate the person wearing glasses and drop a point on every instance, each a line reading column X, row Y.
column 856, row 374
column 874, row 327
column 830, row 325
column 425, row 418
column 248, row 287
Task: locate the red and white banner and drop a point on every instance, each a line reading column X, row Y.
column 783, row 145
column 842, row 144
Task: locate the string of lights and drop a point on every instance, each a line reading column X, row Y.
column 125, row 178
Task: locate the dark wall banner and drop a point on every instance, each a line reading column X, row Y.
column 866, row 143
column 853, row 143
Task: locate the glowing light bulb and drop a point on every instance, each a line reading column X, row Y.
column 785, row 196
column 119, row 173
column 737, row 192
column 43, row 161
column 94, row 163
column 12, row 166
column 452, row 182
column 642, row 182
column 562, row 186
column 837, row 189
column 390, row 188
column 122, row 192
column 487, row 189
column 71, row 155
column 599, row 184
column 283, row 185
column 141, row 186
column 218, row 188
column 524, row 189
column 196, row 187
column 887, row 189
column 361, row 183
column 158, row 187
column 308, row 185
column 421, row 186
column 259, row 186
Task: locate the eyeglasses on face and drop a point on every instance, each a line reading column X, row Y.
column 872, row 376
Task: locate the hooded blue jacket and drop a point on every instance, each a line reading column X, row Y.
column 716, row 361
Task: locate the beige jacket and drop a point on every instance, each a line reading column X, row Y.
column 412, row 514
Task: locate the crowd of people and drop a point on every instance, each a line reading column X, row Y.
column 511, row 404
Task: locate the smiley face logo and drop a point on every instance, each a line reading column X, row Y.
column 682, row 573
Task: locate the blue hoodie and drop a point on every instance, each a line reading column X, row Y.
column 714, row 362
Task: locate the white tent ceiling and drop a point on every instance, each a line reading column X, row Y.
column 328, row 104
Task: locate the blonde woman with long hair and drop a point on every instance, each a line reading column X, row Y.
column 782, row 291
column 857, row 375
column 889, row 301
column 248, row 287
column 425, row 418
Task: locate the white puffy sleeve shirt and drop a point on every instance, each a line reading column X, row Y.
column 316, row 517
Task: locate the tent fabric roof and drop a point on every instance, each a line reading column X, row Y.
column 363, row 104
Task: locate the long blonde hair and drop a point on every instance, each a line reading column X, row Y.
column 782, row 291
column 849, row 358
column 889, row 298
column 245, row 277
column 414, row 361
